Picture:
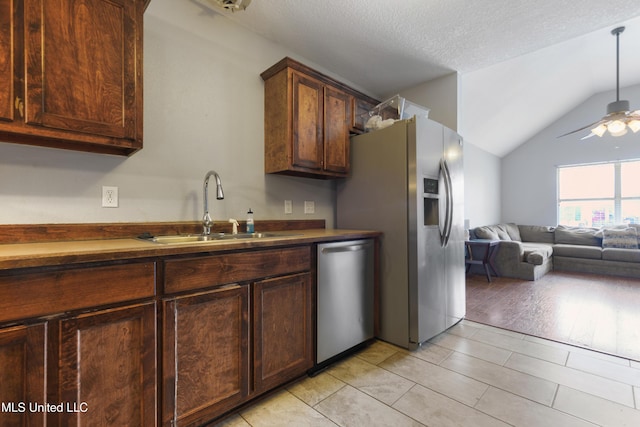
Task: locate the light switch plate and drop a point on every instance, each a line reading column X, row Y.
column 309, row 207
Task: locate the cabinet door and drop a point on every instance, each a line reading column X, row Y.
column 337, row 117
column 7, row 27
column 205, row 355
column 22, row 374
column 360, row 108
column 283, row 330
column 82, row 65
column 108, row 367
column 308, row 98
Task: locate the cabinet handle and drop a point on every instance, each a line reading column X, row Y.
column 228, row 286
column 19, row 106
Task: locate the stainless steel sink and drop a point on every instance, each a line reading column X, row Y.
column 251, row 236
column 182, row 238
column 194, row 238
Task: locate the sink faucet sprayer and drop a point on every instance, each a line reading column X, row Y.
column 207, row 222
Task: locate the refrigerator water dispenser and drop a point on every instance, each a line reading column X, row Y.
column 431, row 202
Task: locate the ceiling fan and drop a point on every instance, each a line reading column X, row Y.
column 618, row 117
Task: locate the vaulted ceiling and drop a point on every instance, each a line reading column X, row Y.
column 522, row 64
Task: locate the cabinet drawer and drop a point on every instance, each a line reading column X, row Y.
column 195, row 273
column 37, row 294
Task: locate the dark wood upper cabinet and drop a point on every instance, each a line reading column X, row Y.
column 307, row 117
column 361, row 108
column 7, row 31
column 308, row 120
column 337, row 108
column 81, row 85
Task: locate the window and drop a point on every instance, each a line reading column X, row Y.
column 599, row 194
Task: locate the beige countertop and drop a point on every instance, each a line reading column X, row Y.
column 56, row 253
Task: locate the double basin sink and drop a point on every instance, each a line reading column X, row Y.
column 214, row 237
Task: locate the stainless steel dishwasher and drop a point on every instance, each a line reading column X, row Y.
column 344, row 297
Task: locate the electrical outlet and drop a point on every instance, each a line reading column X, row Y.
column 309, row 207
column 109, row 197
column 288, row 207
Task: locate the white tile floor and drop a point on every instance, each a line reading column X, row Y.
column 472, row 375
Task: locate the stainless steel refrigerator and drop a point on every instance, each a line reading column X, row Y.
column 407, row 181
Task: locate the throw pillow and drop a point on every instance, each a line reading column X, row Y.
column 502, row 233
column 585, row 236
column 637, row 228
column 514, row 231
column 622, row 239
column 537, row 233
column 486, row 232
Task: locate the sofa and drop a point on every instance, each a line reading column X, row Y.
column 529, row 251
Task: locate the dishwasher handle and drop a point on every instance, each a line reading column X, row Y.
column 347, row 248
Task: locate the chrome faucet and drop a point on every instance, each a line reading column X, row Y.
column 207, row 222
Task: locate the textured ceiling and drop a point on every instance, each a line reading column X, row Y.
column 386, row 46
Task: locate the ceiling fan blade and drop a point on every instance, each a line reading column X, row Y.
column 592, row 125
column 587, row 136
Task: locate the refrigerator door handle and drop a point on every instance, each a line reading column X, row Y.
column 449, row 202
column 450, row 205
column 446, row 234
column 443, row 230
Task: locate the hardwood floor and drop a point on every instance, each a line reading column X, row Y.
column 601, row 313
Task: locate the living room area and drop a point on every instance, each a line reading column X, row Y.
column 584, row 293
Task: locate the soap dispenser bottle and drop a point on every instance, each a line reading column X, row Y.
column 250, row 228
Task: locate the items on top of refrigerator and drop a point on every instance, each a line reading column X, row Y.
column 393, row 109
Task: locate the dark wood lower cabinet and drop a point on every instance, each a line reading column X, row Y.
column 22, row 374
column 206, row 355
column 239, row 325
column 107, row 368
column 283, row 330
column 219, row 351
column 82, row 342
column 105, row 376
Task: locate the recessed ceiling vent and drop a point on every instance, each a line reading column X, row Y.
column 230, row 5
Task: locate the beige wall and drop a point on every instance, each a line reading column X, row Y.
column 440, row 96
column 203, row 110
column 482, row 170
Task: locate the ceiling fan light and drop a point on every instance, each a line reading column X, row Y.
column 599, row 130
column 617, row 128
column 634, row 125
column 622, row 132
